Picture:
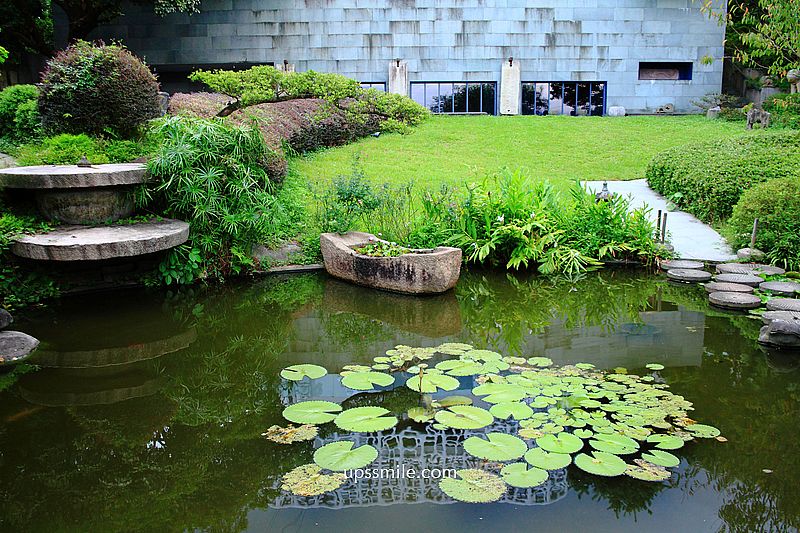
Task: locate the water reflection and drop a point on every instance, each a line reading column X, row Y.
column 149, row 413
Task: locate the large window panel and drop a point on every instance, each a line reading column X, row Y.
column 598, row 103
column 488, row 98
column 555, row 104
column 542, row 96
column 432, row 97
column 459, row 98
column 474, row 97
column 456, row 97
column 584, row 95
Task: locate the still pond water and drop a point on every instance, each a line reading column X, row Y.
column 148, row 411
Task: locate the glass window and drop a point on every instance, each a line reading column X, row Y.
column 432, row 97
column 459, row 98
column 456, row 97
column 665, row 70
column 528, row 99
column 563, row 97
column 474, row 97
column 598, row 102
column 542, row 95
column 488, row 98
column 446, row 97
column 418, row 93
column 584, row 95
column 570, row 96
column 556, row 101
column 378, row 85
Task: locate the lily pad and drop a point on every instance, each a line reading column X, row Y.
column 308, row 480
column 665, row 442
column 474, row 486
column 499, row 392
column 453, row 348
column 498, row 447
column 341, row 456
column 455, row 399
column 584, row 366
column 367, row 380
column 601, row 464
column 547, row 460
column 313, row 412
column 654, row 366
column 458, row 367
column 291, row 434
column 583, row 433
column 561, row 443
column 614, row 443
column 365, row 419
column 519, row 475
column 431, row 382
column 420, row 414
column 483, row 355
column 646, row 471
column 540, row 361
column 515, row 410
column 703, row 431
column 298, row 372
column 661, row 458
column 465, row 417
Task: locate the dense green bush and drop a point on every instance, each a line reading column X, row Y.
column 19, row 114
column 97, row 89
column 776, row 204
column 708, row 178
column 785, row 110
column 212, row 174
column 67, row 149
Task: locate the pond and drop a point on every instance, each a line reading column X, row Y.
column 149, row 409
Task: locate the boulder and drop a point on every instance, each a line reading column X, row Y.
column 713, row 113
column 781, row 333
column 616, row 111
column 16, row 347
column 750, row 254
column 5, row 319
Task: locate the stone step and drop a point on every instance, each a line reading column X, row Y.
column 94, row 243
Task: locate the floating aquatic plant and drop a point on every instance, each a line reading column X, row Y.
column 308, row 480
column 365, row 419
column 298, row 372
column 465, row 417
column 646, row 471
column 313, row 412
column 291, row 434
column 496, row 447
column 547, row 460
column 661, row 458
column 431, row 381
column 561, row 443
column 474, row 486
column 366, row 380
column 519, row 475
column 601, row 464
column 340, row 456
column 515, row 410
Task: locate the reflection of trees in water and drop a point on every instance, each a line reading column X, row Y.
column 624, row 495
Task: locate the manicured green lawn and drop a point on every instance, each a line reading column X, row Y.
column 460, row 148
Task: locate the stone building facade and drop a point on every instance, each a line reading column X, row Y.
column 569, row 56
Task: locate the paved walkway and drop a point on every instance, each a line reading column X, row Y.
column 691, row 238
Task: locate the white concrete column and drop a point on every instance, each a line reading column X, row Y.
column 510, row 88
column 398, row 77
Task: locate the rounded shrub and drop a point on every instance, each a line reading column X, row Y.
column 776, row 205
column 19, row 113
column 785, row 110
column 101, row 88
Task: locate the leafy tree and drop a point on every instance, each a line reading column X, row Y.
column 763, row 34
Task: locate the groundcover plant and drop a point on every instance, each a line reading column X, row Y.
column 604, row 423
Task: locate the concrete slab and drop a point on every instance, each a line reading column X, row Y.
column 691, row 238
column 73, row 176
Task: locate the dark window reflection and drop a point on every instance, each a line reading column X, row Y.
column 542, row 96
column 556, row 101
column 598, row 103
column 528, row 99
column 474, row 97
column 488, row 105
column 568, row 98
column 432, row 97
column 458, row 97
column 582, row 108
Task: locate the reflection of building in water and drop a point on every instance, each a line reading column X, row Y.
column 429, row 450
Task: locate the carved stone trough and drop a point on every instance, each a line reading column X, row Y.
column 418, row 272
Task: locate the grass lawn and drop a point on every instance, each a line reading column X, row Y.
column 455, row 149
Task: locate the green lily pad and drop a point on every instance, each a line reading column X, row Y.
column 291, row 434
column 515, row 410
column 367, row 380
column 455, row 399
column 380, row 366
column 341, row 456
column 457, row 367
column 654, row 366
column 584, row 366
column 308, row 480
column 420, row 414
column 703, row 431
column 540, row 361
column 498, row 447
column 474, row 486
column 547, row 460
column 483, row 355
column 298, row 372
column 519, row 475
column 347, row 369
column 499, row 392
column 365, row 419
column 661, row 458
column 490, row 367
column 601, row 464
column 665, row 442
column 583, row 433
column 431, row 382
column 561, row 443
column 453, row 348
column 465, row 417
column 313, row 412
column 614, row 443
column 646, row 471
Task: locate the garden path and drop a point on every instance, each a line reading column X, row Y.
column 691, row 238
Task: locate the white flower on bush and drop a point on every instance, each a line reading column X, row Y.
column 501, row 219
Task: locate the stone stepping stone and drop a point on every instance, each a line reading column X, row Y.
column 734, row 300
column 672, row 264
column 784, row 288
column 749, row 268
column 787, row 316
column 740, row 279
column 783, row 304
column 716, row 286
column 16, row 346
column 688, row 275
column 5, row 319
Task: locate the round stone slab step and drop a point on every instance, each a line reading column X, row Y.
column 734, row 300
column 671, row 264
column 16, row 346
column 688, row 275
column 749, row 268
column 786, row 316
column 73, row 176
column 716, row 286
column 784, row 288
column 783, row 304
column 84, row 243
column 741, row 279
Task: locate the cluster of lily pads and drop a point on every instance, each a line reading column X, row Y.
column 605, row 423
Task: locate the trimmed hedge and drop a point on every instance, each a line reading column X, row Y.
column 19, row 114
column 776, row 204
column 712, row 176
column 97, row 89
column 785, row 110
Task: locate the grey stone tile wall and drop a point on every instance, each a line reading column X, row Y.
column 447, row 40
